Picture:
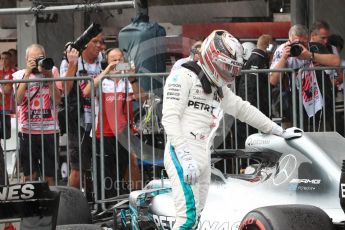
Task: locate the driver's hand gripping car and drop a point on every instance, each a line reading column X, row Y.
column 190, row 108
column 287, row 134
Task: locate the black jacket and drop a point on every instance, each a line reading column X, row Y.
column 257, row 60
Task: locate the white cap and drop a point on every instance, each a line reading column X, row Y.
column 247, row 49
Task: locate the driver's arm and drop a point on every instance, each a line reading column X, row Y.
column 245, row 112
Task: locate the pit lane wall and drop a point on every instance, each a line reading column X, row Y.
column 144, row 137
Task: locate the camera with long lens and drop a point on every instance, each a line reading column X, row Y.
column 295, row 49
column 92, row 31
column 45, row 63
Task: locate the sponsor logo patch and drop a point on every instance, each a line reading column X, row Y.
column 200, row 105
column 17, row 192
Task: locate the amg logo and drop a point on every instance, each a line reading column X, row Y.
column 17, row 192
column 306, row 181
column 200, row 106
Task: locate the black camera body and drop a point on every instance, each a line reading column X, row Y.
column 92, row 31
column 295, row 49
column 45, row 63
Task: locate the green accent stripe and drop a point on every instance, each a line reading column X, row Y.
column 188, row 193
column 134, row 218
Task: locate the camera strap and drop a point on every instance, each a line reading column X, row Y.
column 83, row 65
column 34, row 95
column 83, row 71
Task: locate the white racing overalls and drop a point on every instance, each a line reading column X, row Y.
column 188, row 118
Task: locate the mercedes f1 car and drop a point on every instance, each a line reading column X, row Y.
column 285, row 183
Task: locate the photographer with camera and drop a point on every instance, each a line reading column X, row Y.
column 83, row 58
column 37, row 115
column 298, row 53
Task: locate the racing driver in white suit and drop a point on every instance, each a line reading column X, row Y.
column 189, row 106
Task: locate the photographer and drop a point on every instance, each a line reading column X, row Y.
column 86, row 64
column 298, row 53
column 38, row 98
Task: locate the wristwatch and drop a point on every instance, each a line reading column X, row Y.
column 312, row 57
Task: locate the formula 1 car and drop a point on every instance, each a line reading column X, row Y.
column 286, row 184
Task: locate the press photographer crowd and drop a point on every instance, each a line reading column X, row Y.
column 95, row 110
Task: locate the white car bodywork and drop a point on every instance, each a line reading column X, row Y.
column 303, row 170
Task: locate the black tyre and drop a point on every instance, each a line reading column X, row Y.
column 73, row 206
column 78, row 227
column 287, row 217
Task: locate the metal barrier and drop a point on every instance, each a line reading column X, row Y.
column 140, row 154
column 145, row 148
column 39, row 113
column 296, row 103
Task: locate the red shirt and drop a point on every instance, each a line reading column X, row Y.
column 8, row 107
column 116, row 111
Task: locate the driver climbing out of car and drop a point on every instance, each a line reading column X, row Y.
column 193, row 98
